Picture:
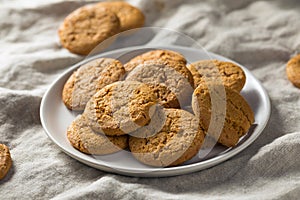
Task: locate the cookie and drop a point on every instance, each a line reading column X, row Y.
column 179, row 140
column 121, row 107
column 130, row 17
column 164, row 95
column 293, row 70
column 83, row 138
column 223, row 113
column 5, row 160
column 210, row 70
column 87, row 27
column 165, row 55
column 89, row 79
column 170, row 81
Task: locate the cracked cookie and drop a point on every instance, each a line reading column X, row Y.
column 88, row 79
column 130, row 17
column 86, row 27
column 5, row 160
column 179, row 140
column 165, row 55
column 170, row 81
column 83, row 138
column 209, row 70
column 121, row 107
column 293, row 70
column 224, row 114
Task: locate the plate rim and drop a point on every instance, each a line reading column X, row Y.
column 159, row 172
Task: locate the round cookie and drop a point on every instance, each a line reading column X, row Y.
column 179, row 140
column 224, row 114
column 86, row 27
column 170, row 81
column 5, row 160
column 88, row 79
column 83, row 138
column 208, row 70
column 130, row 17
column 165, row 55
column 121, row 107
column 293, row 70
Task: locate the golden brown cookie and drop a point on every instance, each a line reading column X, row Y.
column 5, row 160
column 121, row 107
column 179, row 140
column 223, row 113
column 170, row 81
column 208, row 70
column 130, row 17
column 164, row 95
column 86, row 27
column 165, row 55
column 293, row 70
column 88, row 79
column 83, row 138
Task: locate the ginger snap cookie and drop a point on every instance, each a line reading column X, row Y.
column 229, row 73
column 224, row 114
column 293, row 70
column 83, row 138
column 165, row 96
column 171, row 81
column 121, row 107
column 179, row 140
column 86, row 27
column 160, row 54
column 89, row 79
column 130, row 17
column 5, row 160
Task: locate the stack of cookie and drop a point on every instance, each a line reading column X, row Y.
column 90, row 25
column 223, row 112
column 141, row 105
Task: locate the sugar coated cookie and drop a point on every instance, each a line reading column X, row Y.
column 170, row 80
column 86, row 27
column 229, row 73
column 88, row 79
column 130, row 17
column 179, row 140
column 121, row 107
column 83, row 138
column 160, row 54
column 223, row 113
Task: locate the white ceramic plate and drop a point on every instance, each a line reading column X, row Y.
column 55, row 118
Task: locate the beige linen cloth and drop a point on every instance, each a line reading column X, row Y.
column 261, row 35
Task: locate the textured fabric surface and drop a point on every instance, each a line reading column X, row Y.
column 261, row 35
